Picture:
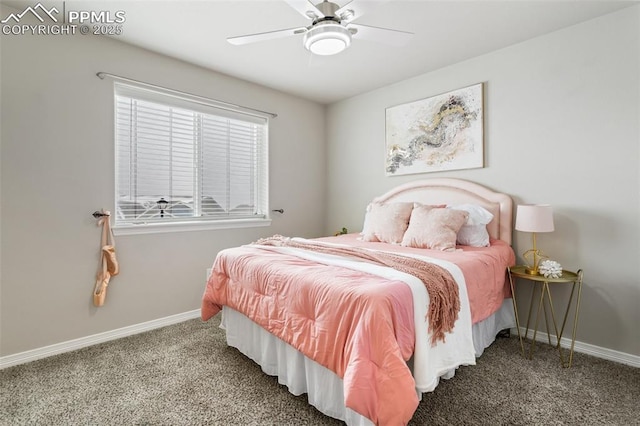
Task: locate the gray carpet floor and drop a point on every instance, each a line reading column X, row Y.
column 186, row 375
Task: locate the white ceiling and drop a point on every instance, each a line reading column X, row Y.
column 446, row 32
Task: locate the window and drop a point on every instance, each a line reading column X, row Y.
column 181, row 160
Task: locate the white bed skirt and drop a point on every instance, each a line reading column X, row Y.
column 323, row 387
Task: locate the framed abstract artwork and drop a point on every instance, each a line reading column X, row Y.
column 443, row 132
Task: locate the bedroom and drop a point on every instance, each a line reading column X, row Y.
column 562, row 127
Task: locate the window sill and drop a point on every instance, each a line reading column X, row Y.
column 158, row 228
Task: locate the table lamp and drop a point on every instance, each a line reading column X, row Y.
column 534, row 218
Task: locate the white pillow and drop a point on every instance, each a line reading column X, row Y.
column 474, row 232
column 386, row 222
column 473, row 235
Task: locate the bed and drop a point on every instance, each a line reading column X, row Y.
column 362, row 339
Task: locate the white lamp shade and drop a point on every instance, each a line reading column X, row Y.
column 534, row 218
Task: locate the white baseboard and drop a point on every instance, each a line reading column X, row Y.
column 71, row 345
column 585, row 348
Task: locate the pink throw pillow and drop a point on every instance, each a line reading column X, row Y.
column 386, row 222
column 434, row 228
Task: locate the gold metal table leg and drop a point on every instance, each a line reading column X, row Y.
column 566, row 314
column 535, row 330
column 578, row 282
column 555, row 326
column 545, row 290
column 532, row 298
column 515, row 311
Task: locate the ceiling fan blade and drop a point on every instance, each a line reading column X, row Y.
column 381, row 35
column 306, row 8
column 251, row 38
column 354, row 9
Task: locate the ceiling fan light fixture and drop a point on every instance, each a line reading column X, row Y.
column 327, row 39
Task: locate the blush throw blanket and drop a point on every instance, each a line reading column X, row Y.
column 353, row 317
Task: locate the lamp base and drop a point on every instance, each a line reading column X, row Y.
column 531, row 271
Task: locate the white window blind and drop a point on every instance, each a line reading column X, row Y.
column 207, row 163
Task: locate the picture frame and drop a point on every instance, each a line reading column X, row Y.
column 442, row 132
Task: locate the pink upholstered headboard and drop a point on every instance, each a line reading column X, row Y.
column 458, row 191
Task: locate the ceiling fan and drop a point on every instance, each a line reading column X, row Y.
column 331, row 28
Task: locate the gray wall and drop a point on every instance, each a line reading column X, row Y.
column 57, row 168
column 562, row 115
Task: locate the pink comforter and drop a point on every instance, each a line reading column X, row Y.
column 484, row 269
column 358, row 325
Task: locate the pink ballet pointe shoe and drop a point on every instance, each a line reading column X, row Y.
column 100, row 292
column 109, row 252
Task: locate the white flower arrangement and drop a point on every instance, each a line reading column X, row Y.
column 550, row 269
